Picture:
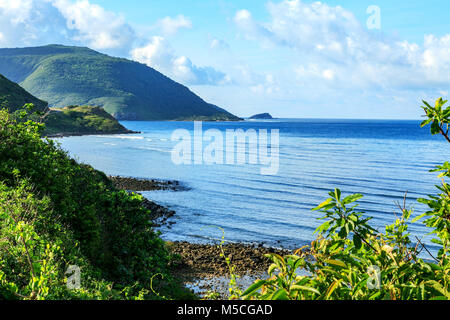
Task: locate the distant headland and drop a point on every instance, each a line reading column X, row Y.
column 264, row 116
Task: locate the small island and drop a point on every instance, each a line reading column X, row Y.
column 263, row 116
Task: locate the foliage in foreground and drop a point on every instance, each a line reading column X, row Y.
column 350, row 260
column 56, row 213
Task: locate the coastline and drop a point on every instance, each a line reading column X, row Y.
column 205, row 260
column 77, row 134
column 202, row 267
column 142, row 184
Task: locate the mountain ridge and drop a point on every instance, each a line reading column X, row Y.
column 14, row 97
column 128, row 90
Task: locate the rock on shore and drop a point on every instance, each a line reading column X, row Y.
column 159, row 214
column 137, row 184
column 203, row 260
column 202, row 268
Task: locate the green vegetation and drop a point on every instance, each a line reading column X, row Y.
column 81, row 120
column 13, row 96
column 350, row 260
column 56, row 213
column 66, row 121
column 126, row 89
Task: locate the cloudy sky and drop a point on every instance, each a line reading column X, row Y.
column 331, row 59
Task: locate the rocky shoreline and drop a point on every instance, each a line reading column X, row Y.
column 204, row 260
column 137, row 184
column 77, row 134
column 201, row 266
column 159, row 214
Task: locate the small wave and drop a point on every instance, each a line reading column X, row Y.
column 119, row 137
column 154, row 149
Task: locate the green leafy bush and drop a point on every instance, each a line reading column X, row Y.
column 55, row 212
column 350, row 260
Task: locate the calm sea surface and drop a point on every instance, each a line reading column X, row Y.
column 380, row 159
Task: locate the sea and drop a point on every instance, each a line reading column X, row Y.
column 388, row 161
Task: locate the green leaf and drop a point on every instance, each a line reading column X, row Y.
column 426, row 122
column 336, row 263
column 343, row 233
column 357, row 241
column 254, row 287
column 337, row 194
column 296, row 287
column 427, row 104
column 332, row 288
column 439, row 298
column 435, row 127
column 280, row 294
column 375, row 295
column 437, row 286
column 322, row 228
column 323, row 204
column 352, row 198
column 418, row 218
column 272, row 268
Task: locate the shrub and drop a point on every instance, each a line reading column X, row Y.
column 350, row 260
column 55, row 213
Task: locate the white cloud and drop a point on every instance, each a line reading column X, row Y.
column 328, row 74
column 80, row 22
column 333, row 38
column 29, row 22
column 243, row 18
column 37, row 22
column 259, row 83
column 159, row 54
column 98, row 28
column 170, row 26
column 17, row 10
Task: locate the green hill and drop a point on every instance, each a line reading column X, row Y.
column 72, row 120
column 75, row 120
column 13, row 96
column 126, row 89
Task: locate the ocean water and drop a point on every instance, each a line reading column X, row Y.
column 380, row 159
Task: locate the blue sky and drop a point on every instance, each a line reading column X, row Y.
column 290, row 58
column 410, row 19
